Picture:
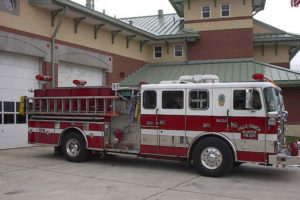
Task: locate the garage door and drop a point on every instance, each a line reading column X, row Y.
column 68, row 72
column 16, row 77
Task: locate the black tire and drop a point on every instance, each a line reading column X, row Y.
column 57, row 151
column 219, row 164
column 74, row 147
column 237, row 164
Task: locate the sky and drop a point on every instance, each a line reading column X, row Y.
column 278, row 13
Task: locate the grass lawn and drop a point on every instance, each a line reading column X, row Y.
column 291, row 139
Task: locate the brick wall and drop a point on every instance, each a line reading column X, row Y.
column 222, row 44
column 291, row 97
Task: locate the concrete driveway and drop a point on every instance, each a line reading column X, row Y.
column 35, row 173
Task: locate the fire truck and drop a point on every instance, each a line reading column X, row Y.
column 196, row 119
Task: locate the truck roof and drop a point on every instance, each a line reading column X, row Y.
column 207, row 85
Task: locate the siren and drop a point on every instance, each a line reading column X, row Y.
column 80, row 83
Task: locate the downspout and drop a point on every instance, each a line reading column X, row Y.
column 53, row 43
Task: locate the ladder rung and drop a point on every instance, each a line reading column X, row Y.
column 62, row 105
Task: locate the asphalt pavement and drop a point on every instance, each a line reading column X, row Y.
column 35, row 173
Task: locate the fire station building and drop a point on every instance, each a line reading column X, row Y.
column 69, row 41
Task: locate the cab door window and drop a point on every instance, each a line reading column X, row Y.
column 149, row 100
column 199, row 100
column 172, row 99
column 239, row 100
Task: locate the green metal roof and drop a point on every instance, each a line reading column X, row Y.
column 168, row 24
column 237, row 70
column 268, row 26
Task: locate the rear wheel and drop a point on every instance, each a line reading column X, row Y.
column 74, row 147
column 212, row 157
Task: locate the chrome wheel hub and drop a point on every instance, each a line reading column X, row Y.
column 73, row 147
column 211, row 158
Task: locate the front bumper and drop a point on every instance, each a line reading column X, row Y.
column 284, row 160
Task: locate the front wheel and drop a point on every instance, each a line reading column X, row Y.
column 212, row 157
column 74, row 147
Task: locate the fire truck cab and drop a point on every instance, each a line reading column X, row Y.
column 195, row 119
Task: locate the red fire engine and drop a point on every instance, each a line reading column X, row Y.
column 196, row 119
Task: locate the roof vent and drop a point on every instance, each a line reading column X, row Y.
column 130, row 22
column 90, row 4
column 160, row 13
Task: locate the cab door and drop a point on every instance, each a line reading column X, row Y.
column 172, row 122
column 249, row 125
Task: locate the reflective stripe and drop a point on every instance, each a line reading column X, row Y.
column 236, row 136
column 59, row 131
column 268, row 137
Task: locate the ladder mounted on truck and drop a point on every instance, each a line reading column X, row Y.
column 72, row 106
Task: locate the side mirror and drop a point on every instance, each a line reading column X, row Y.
column 249, row 99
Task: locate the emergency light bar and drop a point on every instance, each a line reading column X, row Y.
column 80, row 83
column 258, row 77
column 43, row 79
column 261, row 77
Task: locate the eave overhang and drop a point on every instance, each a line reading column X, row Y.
column 258, row 5
column 292, row 40
column 112, row 24
column 178, row 7
column 276, row 37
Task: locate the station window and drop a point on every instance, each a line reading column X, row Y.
column 178, row 50
column 149, row 99
column 225, row 10
column 199, row 100
column 206, row 12
column 158, row 52
column 239, row 100
column 9, row 112
column 172, row 99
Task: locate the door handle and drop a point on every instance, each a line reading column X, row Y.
column 162, row 122
column 234, row 124
column 206, row 125
column 149, row 123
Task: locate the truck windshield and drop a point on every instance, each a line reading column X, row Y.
column 271, row 99
column 282, row 108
